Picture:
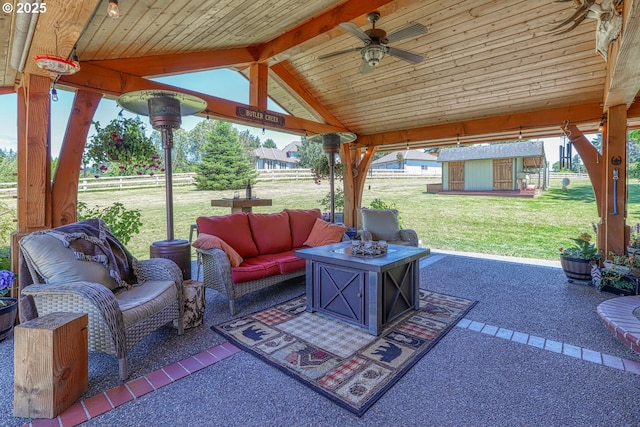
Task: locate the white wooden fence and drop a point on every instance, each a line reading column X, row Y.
column 264, row 175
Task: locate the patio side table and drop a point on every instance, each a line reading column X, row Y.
column 241, row 205
column 51, row 361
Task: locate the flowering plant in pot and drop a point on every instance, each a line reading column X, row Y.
column 576, row 260
column 122, row 148
column 8, row 306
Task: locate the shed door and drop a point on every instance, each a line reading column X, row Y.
column 456, row 176
column 503, row 174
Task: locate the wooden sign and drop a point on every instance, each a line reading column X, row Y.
column 260, row 116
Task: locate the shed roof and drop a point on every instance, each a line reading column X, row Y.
column 493, row 151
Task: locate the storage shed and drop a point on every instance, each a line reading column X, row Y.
column 515, row 168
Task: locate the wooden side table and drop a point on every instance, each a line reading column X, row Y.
column 50, row 364
column 241, row 205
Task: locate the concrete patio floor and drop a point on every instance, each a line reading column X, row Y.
column 533, row 351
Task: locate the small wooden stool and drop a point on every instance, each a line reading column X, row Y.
column 194, row 304
column 51, row 361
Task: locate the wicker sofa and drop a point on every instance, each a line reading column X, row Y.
column 244, row 252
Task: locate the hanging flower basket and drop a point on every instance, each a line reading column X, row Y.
column 122, row 148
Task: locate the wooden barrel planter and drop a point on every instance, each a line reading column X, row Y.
column 576, row 269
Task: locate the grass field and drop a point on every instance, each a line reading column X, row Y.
column 532, row 228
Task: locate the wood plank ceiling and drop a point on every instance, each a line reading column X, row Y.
column 484, row 59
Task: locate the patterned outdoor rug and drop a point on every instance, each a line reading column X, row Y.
column 340, row 361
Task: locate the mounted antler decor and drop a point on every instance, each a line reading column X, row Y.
column 605, row 12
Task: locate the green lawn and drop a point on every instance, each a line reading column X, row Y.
column 533, row 228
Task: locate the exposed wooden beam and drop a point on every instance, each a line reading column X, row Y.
column 34, row 154
column 5, row 90
column 160, row 65
column 324, row 22
column 293, row 83
column 64, row 191
column 114, row 84
column 623, row 77
column 258, row 83
column 547, row 118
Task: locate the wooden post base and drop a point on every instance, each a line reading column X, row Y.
column 50, row 364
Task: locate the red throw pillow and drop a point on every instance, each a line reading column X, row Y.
column 271, row 232
column 301, row 222
column 233, row 229
column 325, row 233
column 207, row 241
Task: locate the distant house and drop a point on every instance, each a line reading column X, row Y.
column 273, row 158
column 516, row 167
column 411, row 161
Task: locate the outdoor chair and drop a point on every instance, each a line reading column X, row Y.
column 382, row 224
column 83, row 268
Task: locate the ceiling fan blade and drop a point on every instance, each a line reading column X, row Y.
column 342, row 52
column 365, row 68
column 407, row 56
column 412, row 30
column 355, row 30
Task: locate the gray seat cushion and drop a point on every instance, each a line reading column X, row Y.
column 146, row 299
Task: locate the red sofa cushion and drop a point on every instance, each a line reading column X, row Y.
column 270, row 232
column 287, row 261
column 233, row 229
column 301, row 222
column 254, row 269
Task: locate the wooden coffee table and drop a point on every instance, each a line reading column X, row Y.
column 366, row 291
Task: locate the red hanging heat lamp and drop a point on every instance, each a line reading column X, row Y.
column 57, row 64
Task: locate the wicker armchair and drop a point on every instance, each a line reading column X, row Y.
column 382, row 224
column 53, row 279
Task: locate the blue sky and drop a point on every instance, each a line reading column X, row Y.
column 226, row 84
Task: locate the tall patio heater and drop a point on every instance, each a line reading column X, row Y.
column 165, row 110
column 331, row 145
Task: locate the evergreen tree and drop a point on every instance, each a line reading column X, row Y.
column 249, row 143
column 224, row 165
column 269, row 143
column 309, row 153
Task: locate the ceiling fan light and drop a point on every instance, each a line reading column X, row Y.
column 112, row 10
column 373, row 54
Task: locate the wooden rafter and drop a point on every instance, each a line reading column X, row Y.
column 547, row 118
column 293, row 83
column 160, row 65
column 114, row 84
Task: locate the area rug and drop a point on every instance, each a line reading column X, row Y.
column 341, row 361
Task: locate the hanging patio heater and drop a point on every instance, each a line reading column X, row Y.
column 331, row 142
column 165, row 110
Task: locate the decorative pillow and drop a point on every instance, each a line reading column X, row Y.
column 233, row 229
column 207, row 241
column 271, row 232
column 301, row 222
column 381, row 223
column 325, row 233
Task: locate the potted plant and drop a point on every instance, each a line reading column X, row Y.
column 576, row 260
column 615, row 278
column 8, row 306
column 123, row 148
column 633, row 247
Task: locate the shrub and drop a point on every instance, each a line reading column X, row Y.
column 122, row 222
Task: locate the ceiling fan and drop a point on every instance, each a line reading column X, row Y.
column 375, row 43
